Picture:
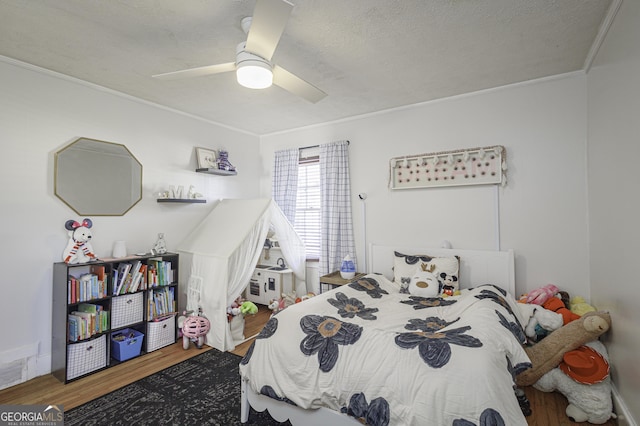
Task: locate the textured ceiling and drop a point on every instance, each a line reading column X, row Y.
column 367, row 55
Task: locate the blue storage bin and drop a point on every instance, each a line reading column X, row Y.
column 126, row 344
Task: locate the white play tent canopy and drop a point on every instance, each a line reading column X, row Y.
column 220, row 255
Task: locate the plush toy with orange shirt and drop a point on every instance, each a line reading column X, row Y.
column 556, row 305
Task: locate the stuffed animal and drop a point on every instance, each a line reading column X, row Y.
column 554, row 304
column 579, row 306
column 232, row 311
column 234, row 308
column 547, row 354
column 542, row 294
column 248, row 308
column 564, row 296
column 587, row 402
column 424, row 283
column 79, row 249
column 539, row 318
column 448, row 283
column 304, row 297
column 274, row 305
column 287, row 300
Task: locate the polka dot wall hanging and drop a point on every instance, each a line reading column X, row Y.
column 473, row 166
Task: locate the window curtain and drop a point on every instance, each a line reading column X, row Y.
column 336, row 226
column 284, row 187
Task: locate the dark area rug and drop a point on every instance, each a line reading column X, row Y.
column 203, row 390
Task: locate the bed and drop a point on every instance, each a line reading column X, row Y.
column 370, row 353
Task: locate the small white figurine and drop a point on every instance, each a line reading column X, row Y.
column 161, row 246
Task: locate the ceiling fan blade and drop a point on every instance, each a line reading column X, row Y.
column 267, row 25
column 296, row 85
column 197, row 72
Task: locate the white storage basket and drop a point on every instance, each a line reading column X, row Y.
column 161, row 333
column 127, row 309
column 237, row 328
column 86, row 356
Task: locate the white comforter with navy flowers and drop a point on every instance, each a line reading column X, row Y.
column 388, row 358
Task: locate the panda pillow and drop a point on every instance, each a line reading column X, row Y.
column 446, row 270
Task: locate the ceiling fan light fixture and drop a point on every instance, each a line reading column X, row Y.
column 254, row 74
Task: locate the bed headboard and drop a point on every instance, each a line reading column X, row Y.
column 477, row 267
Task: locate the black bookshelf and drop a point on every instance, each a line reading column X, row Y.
column 72, row 358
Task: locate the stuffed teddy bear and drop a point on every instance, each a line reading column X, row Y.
column 556, row 305
column 542, row 294
column 424, row 283
column 579, row 306
column 587, row 402
column 539, row 317
column 547, row 354
column 79, row 249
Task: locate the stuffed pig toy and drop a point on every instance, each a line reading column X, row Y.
column 79, row 249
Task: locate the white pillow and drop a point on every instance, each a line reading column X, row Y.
column 446, row 270
column 424, row 283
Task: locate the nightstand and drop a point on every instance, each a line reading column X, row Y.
column 334, row 280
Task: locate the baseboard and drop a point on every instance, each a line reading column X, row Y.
column 624, row 415
column 43, row 365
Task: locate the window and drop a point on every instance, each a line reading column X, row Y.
column 307, row 223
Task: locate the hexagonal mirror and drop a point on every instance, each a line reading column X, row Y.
column 97, row 178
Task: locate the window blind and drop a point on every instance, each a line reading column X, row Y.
column 307, row 223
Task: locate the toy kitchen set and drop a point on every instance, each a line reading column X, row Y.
column 271, row 278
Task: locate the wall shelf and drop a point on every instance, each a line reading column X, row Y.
column 181, row 200
column 217, row 172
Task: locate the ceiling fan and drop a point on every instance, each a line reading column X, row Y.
column 253, row 65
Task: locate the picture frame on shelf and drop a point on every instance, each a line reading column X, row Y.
column 207, row 158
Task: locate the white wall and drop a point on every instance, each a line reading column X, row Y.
column 542, row 209
column 40, row 113
column 614, row 207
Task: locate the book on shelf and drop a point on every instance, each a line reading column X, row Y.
column 101, row 315
column 123, row 273
column 85, row 287
column 160, row 273
column 99, row 271
column 114, row 281
column 138, row 278
column 74, row 328
column 161, row 302
column 87, row 321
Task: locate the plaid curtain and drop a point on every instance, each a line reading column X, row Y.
column 284, row 185
column 336, row 228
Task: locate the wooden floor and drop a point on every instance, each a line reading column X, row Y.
column 548, row 408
